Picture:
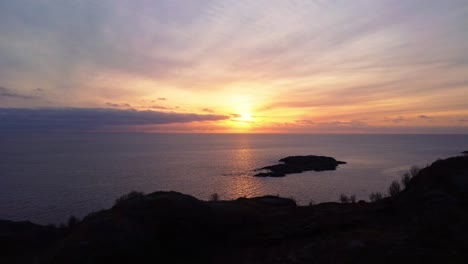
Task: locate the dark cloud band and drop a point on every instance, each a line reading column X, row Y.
column 83, row 119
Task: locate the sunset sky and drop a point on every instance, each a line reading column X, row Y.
column 234, row 66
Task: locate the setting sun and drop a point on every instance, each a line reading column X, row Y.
column 245, row 118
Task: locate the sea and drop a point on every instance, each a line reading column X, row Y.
column 46, row 178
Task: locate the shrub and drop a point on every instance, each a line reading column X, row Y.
column 405, row 180
column 414, row 170
column 214, row 197
column 375, row 196
column 347, row 199
column 394, row 189
column 72, row 221
column 129, row 196
column 344, row 198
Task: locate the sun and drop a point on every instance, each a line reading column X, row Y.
column 245, row 117
column 241, row 122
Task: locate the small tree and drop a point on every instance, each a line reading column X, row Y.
column 344, row 198
column 414, row 170
column 214, row 197
column 405, row 180
column 394, row 189
column 352, row 199
column 375, row 196
column 72, row 221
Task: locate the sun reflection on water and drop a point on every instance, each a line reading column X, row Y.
column 242, row 184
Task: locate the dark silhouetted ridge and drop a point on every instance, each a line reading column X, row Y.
column 424, row 223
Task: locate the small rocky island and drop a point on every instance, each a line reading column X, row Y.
column 298, row 164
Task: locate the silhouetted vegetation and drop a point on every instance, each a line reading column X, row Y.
column 129, row 196
column 347, row 199
column 375, row 196
column 72, row 221
column 414, row 170
column 214, row 197
column 344, row 198
column 405, row 180
column 394, row 189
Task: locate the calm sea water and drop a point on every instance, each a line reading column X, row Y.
column 47, row 178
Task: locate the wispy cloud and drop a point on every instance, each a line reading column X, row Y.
column 123, row 105
column 7, row 93
column 208, row 110
column 161, row 107
column 397, row 120
column 425, row 117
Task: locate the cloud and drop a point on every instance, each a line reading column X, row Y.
column 162, row 99
column 425, row 117
column 6, row 93
column 90, row 119
column 352, row 123
column 162, row 107
column 208, row 110
column 305, row 122
column 119, row 105
column 398, row 119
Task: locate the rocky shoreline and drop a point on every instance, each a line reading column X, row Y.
column 423, row 223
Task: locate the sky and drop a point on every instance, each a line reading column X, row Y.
column 231, row 66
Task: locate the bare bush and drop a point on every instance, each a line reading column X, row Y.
column 414, row 170
column 375, row 196
column 214, row 197
column 405, row 180
column 344, row 198
column 72, row 221
column 394, row 189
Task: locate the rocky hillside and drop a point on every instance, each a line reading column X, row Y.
column 426, row 222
